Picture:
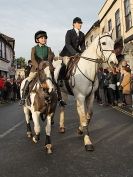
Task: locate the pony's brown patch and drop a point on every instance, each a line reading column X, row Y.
column 41, row 104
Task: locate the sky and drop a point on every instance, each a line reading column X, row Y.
column 20, row 19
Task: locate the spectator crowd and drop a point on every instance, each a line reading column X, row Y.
column 9, row 89
column 115, row 86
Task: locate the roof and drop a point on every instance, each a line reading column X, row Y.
column 9, row 40
column 103, row 6
column 96, row 24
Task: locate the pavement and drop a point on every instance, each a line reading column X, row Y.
column 111, row 132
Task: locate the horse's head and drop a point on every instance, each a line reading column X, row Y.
column 45, row 78
column 105, row 49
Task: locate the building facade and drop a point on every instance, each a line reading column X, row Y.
column 7, row 55
column 92, row 33
column 117, row 15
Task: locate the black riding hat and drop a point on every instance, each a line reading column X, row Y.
column 39, row 34
column 77, row 20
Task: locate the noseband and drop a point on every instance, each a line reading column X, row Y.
column 102, row 59
column 104, row 50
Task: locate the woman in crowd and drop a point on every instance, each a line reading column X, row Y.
column 126, row 85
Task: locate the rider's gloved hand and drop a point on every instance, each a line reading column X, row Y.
column 40, row 67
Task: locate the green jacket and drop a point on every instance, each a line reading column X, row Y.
column 36, row 57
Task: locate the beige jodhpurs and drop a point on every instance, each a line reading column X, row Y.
column 31, row 76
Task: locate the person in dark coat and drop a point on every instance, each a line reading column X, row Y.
column 74, row 41
column 74, row 46
column 28, row 68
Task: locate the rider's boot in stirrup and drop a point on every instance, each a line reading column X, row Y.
column 61, row 101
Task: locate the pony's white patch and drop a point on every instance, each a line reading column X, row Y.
column 49, row 81
column 36, row 116
column 48, row 126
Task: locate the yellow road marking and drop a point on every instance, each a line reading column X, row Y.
column 123, row 111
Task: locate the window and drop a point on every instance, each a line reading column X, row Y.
column 0, row 49
column 128, row 18
column 103, row 29
column 118, row 24
column 3, row 50
column 109, row 25
column 91, row 38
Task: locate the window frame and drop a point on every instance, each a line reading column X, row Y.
column 0, row 49
column 109, row 25
column 128, row 16
column 118, row 23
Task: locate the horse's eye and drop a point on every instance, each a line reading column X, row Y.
column 103, row 43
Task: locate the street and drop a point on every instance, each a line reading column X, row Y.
column 111, row 132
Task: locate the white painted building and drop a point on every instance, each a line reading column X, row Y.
column 7, row 55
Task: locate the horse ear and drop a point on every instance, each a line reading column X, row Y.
column 111, row 32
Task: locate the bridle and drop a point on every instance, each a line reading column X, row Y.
column 104, row 50
column 102, row 58
column 45, row 77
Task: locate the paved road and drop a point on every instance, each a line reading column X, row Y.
column 110, row 130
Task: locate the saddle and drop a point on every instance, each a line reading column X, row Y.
column 66, row 72
column 71, row 66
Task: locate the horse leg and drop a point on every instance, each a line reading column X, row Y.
column 48, row 144
column 62, row 114
column 36, row 116
column 27, row 118
column 89, row 105
column 84, row 123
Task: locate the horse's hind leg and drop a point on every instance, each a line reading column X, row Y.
column 89, row 105
column 62, row 114
column 27, row 118
column 48, row 144
column 84, row 123
column 36, row 116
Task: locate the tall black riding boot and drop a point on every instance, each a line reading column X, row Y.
column 24, row 92
column 61, row 101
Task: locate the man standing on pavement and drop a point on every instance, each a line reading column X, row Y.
column 28, row 68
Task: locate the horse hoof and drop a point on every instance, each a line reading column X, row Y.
column 89, row 147
column 79, row 132
column 62, row 130
column 48, row 149
column 36, row 138
column 29, row 134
